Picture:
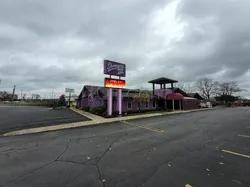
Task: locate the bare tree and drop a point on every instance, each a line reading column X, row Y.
column 141, row 97
column 207, row 87
column 228, row 88
column 186, row 87
column 5, row 96
column 24, row 97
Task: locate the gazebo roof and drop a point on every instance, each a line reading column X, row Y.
column 162, row 80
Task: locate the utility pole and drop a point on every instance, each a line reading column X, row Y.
column 12, row 99
column 69, row 98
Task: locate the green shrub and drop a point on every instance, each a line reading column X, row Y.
column 104, row 114
column 130, row 112
column 86, row 109
column 99, row 110
column 73, row 105
column 116, row 113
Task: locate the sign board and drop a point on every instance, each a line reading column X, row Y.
column 69, row 90
column 114, row 68
column 114, row 83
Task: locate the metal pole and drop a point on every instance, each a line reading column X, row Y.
column 69, row 98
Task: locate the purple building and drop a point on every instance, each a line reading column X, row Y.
column 135, row 99
column 93, row 96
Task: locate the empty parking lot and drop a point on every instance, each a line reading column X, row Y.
column 15, row 118
column 208, row 149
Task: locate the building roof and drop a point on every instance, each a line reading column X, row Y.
column 102, row 91
column 178, row 90
column 196, row 95
column 163, row 80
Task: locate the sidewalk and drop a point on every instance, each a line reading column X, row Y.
column 95, row 120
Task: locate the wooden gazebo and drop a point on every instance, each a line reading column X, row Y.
column 162, row 81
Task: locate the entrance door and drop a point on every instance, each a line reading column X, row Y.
column 161, row 103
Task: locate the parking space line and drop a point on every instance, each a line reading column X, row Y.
column 245, row 136
column 234, row 153
column 143, row 127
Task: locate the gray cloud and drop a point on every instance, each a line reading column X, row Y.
column 48, row 45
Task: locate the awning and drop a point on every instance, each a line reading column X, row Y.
column 176, row 96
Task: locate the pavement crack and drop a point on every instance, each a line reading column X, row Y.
column 67, row 182
column 107, row 150
column 41, row 167
column 71, row 161
column 99, row 158
column 100, row 176
column 66, row 148
column 102, row 181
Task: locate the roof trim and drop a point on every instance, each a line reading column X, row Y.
column 162, row 80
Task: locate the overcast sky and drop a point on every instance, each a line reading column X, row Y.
column 48, row 45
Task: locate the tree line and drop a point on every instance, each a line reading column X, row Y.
column 209, row 88
column 7, row 96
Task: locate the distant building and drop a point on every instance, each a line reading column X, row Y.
column 73, row 99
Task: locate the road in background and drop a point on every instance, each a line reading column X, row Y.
column 194, row 149
column 16, row 118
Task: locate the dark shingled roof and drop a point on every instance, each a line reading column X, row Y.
column 102, row 91
column 163, row 80
column 178, row 90
column 196, row 95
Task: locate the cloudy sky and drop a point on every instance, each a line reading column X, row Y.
column 48, row 45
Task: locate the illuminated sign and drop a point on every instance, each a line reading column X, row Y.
column 114, row 83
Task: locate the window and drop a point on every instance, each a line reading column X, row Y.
column 154, row 104
column 139, row 105
column 146, row 104
column 129, row 104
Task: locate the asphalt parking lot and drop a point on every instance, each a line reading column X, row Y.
column 16, row 118
column 208, row 149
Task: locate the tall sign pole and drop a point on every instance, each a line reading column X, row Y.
column 115, row 69
column 69, row 90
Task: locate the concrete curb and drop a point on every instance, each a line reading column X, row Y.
column 92, row 122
